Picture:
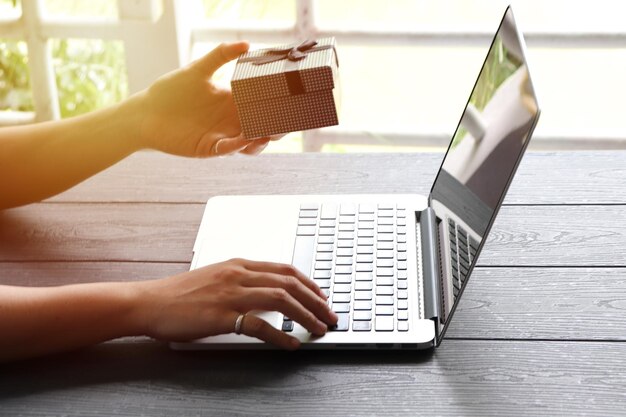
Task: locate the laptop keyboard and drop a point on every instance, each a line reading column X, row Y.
column 357, row 254
column 463, row 249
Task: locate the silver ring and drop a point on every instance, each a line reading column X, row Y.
column 214, row 151
column 238, row 323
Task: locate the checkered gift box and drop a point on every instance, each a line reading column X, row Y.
column 287, row 89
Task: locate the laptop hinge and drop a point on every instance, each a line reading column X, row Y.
column 430, row 268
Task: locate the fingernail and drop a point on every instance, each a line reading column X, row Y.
column 322, row 327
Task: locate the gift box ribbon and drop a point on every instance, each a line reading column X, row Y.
column 293, row 54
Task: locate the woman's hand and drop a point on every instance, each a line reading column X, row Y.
column 184, row 113
column 207, row 301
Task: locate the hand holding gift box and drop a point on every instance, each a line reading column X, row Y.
column 287, row 89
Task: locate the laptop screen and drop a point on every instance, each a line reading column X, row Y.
column 483, row 155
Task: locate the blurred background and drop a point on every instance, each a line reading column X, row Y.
column 407, row 66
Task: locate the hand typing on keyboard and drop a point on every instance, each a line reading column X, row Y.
column 208, row 301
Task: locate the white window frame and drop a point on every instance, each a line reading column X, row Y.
column 163, row 32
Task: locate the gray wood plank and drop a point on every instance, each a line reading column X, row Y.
column 499, row 303
column 537, row 235
column 546, row 178
column 543, row 303
column 460, row 378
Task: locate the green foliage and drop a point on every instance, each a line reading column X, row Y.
column 14, row 77
column 89, row 73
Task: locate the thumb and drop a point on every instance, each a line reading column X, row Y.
column 219, row 56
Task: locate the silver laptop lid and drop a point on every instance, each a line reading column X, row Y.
column 482, row 158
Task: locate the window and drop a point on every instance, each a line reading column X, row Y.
column 407, row 66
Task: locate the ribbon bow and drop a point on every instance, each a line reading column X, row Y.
column 295, row 53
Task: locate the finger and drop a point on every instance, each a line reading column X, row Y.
column 278, row 299
column 219, row 56
column 303, row 294
column 256, row 147
column 209, row 146
column 259, row 328
column 282, row 269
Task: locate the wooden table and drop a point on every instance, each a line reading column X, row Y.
column 541, row 329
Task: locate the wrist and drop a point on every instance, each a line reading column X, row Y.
column 131, row 113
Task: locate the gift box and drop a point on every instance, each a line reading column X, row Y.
column 287, row 89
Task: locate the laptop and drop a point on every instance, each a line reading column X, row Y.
column 393, row 266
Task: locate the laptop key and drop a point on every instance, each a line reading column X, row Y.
column 348, row 208
column 403, row 314
column 324, row 256
column 345, row 243
column 363, row 286
column 402, row 256
column 287, row 326
column 384, row 290
column 362, row 326
column 305, row 231
column 363, row 276
column 344, row 251
column 367, row 208
column 403, row 304
column 329, row 211
column 402, row 274
column 321, row 273
column 403, row 326
column 341, row 307
column 401, row 238
column 342, row 323
column 384, row 323
column 344, row 260
column 403, row 294
column 365, row 258
column 343, row 279
column 365, row 233
column 342, row 288
column 361, row 315
column 342, row 298
column 362, row 305
column 363, row 295
column 326, row 240
column 323, row 265
column 384, row 254
column 325, row 248
column 385, row 263
column 326, row 231
column 343, row 269
column 385, row 237
column 384, row 300
column 322, row 283
column 366, row 217
column 384, row 272
column 364, row 250
column 303, row 253
column 402, row 264
column 385, row 310
column 402, row 285
column 384, row 281
column 307, row 221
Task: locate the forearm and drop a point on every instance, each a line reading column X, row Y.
column 37, row 321
column 41, row 160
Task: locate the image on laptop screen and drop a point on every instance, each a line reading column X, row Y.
column 484, row 153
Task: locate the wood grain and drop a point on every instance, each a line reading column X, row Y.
column 536, row 235
column 543, row 178
column 499, row 303
column 460, row 378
